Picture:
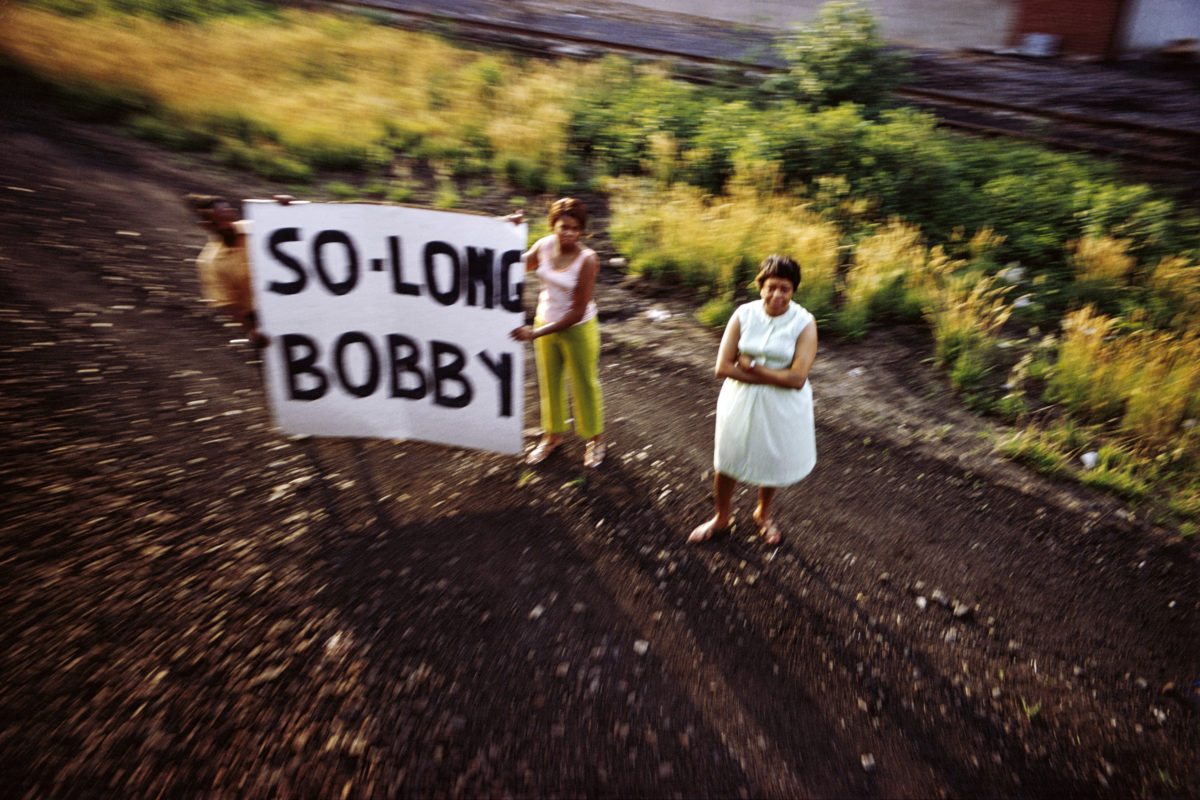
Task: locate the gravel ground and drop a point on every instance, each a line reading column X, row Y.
column 195, row 606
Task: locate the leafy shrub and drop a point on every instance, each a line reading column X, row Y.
column 1170, row 294
column 96, row 102
column 341, row 190
column 617, row 111
column 188, row 11
column 172, row 134
column 716, row 312
column 268, row 163
column 838, row 58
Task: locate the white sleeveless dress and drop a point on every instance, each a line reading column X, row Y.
column 765, row 434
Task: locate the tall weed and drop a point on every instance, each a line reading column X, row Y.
column 876, row 283
column 331, row 91
column 1171, row 294
column 1144, row 383
column 715, row 243
column 1103, row 269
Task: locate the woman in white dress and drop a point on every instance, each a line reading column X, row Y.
column 765, row 434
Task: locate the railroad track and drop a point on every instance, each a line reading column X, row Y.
column 1159, row 145
column 1154, row 146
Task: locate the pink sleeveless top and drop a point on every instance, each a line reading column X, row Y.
column 558, row 285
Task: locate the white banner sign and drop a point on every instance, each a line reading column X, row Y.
column 390, row 322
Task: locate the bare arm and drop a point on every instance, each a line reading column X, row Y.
column 584, row 290
column 728, row 364
column 732, row 364
column 531, row 258
column 795, row 375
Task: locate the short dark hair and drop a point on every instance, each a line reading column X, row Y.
column 777, row 266
column 569, row 207
column 202, row 202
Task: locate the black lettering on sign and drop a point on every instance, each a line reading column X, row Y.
column 399, row 285
column 449, row 296
column 346, row 285
column 405, row 365
column 296, row 365
column 367, row 387
column 449, row 371
column 280, row 237
column 510, row 296
column 356, row 365
column 503, row 370
column 479, row 271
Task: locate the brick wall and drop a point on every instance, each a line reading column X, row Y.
column 1084, row 27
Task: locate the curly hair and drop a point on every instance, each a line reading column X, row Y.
column 777, row 266
column 568, row 207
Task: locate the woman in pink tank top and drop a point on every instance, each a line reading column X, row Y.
column 565, row 334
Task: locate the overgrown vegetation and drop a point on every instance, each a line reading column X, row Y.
column 165, row 10
column 1058, row 295
column 294, row 93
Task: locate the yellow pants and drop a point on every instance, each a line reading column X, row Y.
column 575, row 351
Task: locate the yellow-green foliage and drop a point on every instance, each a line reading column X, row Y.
column 1087, row 380
column 875, row 283
column 1103, row 260
column 683, row 234
column 966, row 310
column 1057, row 450
column 1145, row 382
column 1173, row 293
column 325, row 87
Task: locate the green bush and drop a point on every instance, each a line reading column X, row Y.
column 186, row 11
column 269, row 164
column 175, row 135
column 839, row 58
column 525, row 174
column 94, row 103
column 342, row 190
column 614, row 119
column 716, row 312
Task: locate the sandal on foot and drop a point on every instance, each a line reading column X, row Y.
column 539, row 454
column 770, row 532
column 593, row 454
column 705, row 531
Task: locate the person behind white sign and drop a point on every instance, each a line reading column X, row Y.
column 224, row 264
column 765, row 433
column 566, row 334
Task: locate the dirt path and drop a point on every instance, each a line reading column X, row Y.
column 193, row 605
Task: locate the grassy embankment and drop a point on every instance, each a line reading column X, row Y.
column 1059, row 296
